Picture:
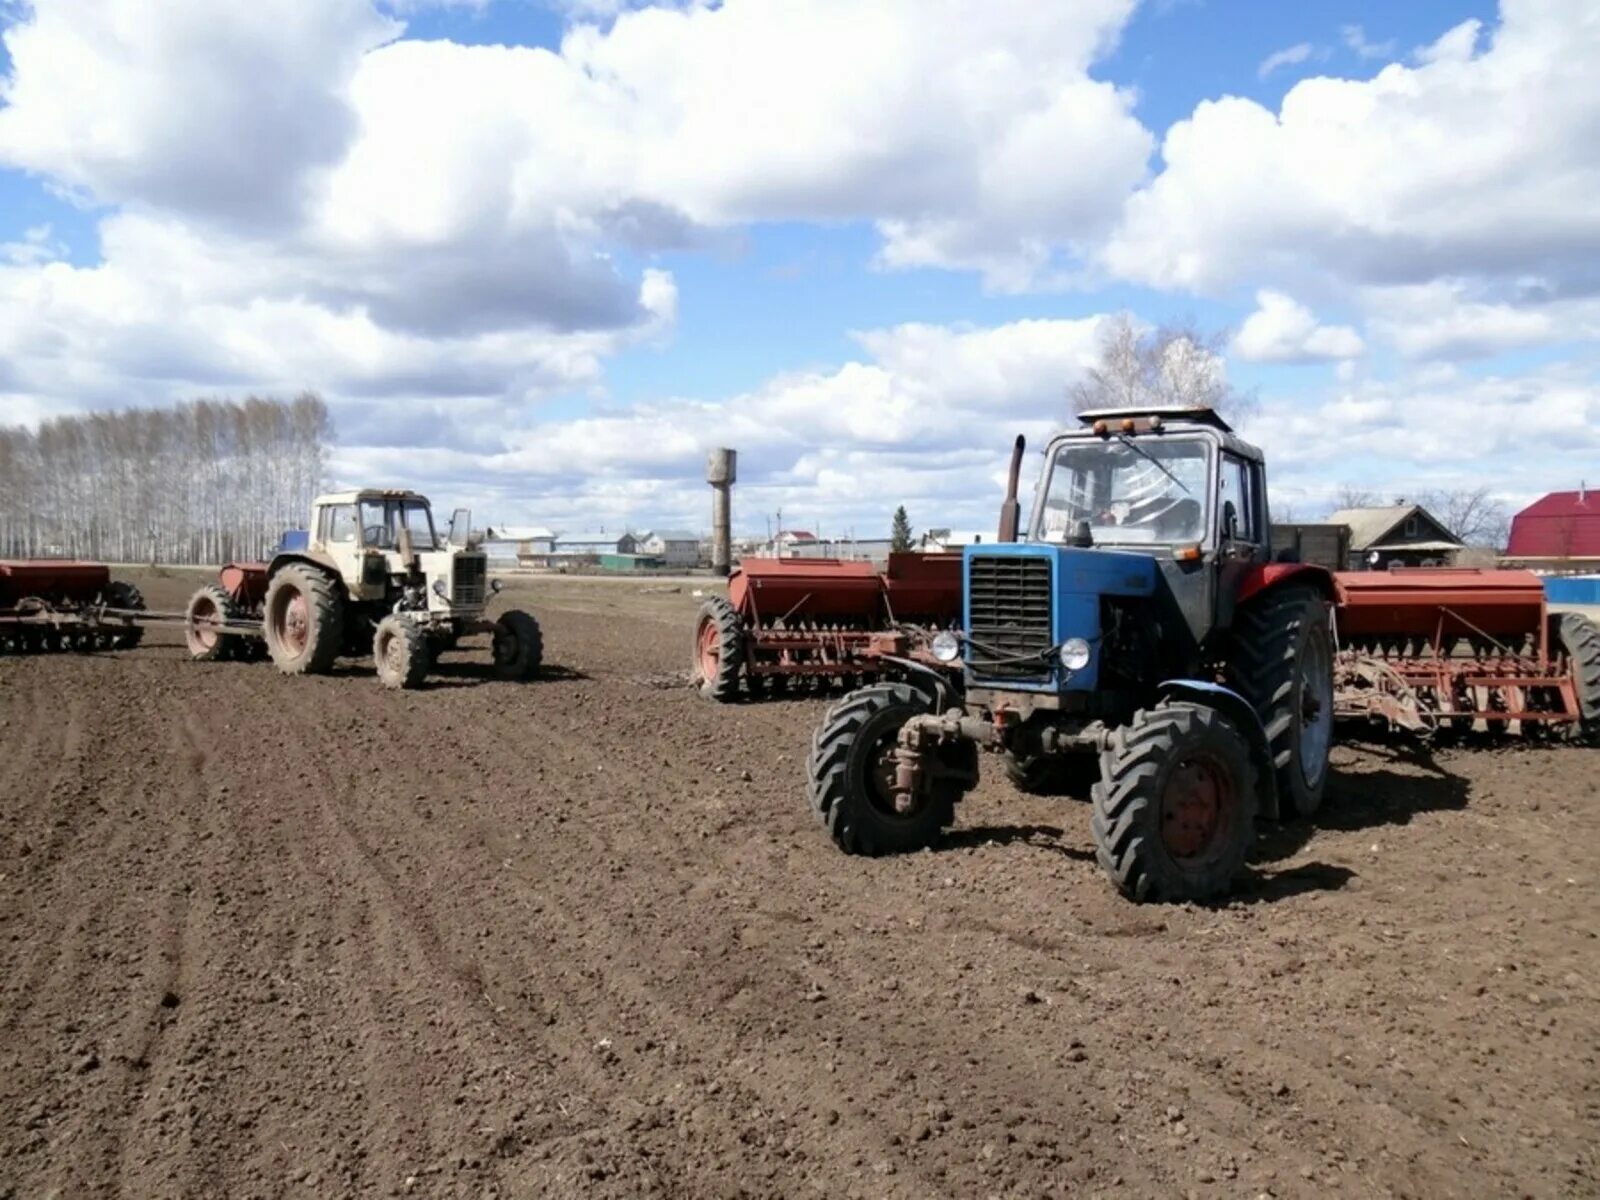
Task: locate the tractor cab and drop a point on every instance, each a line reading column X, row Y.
column 377, row 540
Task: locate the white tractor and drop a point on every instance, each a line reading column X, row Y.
column 372, row 574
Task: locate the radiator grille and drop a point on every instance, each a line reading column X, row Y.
column 1008, row 598
column 469, row 585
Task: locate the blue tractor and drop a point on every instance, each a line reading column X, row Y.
column 1140, row 628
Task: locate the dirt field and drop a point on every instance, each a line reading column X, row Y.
column 263, row 936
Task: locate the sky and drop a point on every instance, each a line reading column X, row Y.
column 539, row 256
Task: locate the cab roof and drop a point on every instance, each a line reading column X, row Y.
column 356, row 495
column 1197, row 414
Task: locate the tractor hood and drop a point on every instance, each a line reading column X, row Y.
column 1022, row 600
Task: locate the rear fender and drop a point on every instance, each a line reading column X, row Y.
column 1245, row 718
column 1266, row 576
column 320, row 562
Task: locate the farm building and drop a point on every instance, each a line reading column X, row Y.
column 674, row 547
column 592, row 545
column 518, row 547
column 1324, row 545
column 1398, row 535
column 794, row 543
column 1560, row 526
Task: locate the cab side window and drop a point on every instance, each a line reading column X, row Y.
column 1237, row 487
column 339, row 523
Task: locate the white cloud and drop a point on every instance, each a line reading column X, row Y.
column 222, row 109
column 1282, row 330
column 1427, row 429
column 924, row 417
column 300, row 199
column 1447, row 319
column 1286, row 57
column 1480, row 165
column 1355, row 37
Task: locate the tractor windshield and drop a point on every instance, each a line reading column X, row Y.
column 1131, row 492
column 382, row 520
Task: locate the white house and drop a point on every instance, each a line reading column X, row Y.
column 674, row 547
column 955, row 539
column 526, row 546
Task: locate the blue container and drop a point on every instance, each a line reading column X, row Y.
column 294, row 540
column 1573, row 589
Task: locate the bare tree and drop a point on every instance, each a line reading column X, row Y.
column 201, row 482
column 1475, row 515
column 1350, row 496
column 1176, row 365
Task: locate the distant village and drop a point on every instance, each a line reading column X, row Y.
column 1559, row 533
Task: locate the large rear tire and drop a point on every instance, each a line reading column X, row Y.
column 719, row 651
column 304, row 620
column 400, row 652
column 518, row 646
column 851, row 770
column 1282, row 662
column 1580, row 638
column 1174, row 811
column 208, row 608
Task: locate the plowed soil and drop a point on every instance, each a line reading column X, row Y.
column 264, row 936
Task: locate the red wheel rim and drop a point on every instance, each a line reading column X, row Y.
column 203, row 633
column 709, row 649
column 1194, row 807
column 295, row 630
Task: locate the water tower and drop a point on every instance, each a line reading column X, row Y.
column 722, row 469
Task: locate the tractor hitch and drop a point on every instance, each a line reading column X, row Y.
column 915, row 766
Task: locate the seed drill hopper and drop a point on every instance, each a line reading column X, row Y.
column 1453, row 649
column 821, row 621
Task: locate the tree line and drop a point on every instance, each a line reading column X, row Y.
column 203, row 482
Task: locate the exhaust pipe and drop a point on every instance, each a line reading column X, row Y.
column 1010, row 511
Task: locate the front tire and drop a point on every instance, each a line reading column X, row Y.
column 400, row 652
column 1174, row 810
column 518, row 646
column 304, row 620
column 719, row 649
column 851, row 770
column 1282, row 662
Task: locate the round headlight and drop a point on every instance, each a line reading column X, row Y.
column 1074, row 654
column 946, row 646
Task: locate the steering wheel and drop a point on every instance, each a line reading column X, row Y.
column 376, row 535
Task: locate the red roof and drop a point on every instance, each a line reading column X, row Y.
column 1561, row 525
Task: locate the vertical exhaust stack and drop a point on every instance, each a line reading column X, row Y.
column 722, row 470
column 1011, row 511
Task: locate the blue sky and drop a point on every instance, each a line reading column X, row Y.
column 544, row 277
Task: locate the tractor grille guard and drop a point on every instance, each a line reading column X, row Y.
column 1009, row 615
column 469, row 581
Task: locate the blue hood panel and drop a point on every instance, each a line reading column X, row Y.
column 1078, row 580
